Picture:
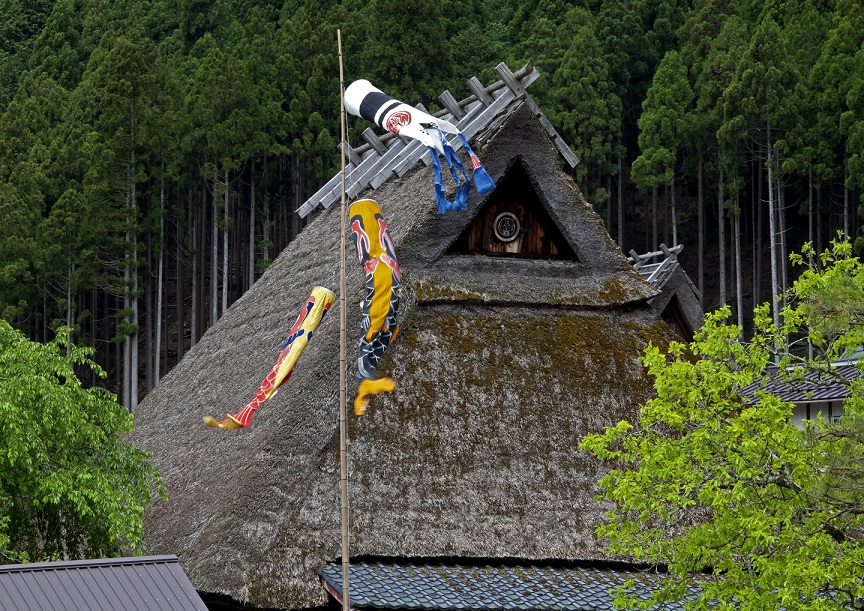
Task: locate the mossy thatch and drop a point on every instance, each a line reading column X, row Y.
column 501, row 367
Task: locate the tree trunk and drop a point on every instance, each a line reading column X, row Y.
column 721, row 232
column 609, row 206
column 701, row 232
column 818, row 226
column 760, row 222
column 846, row 234
column 266, row 234
column 666, row 234
column 148, row 317
column 134, row 356
column 781, row 228
column 810, row 207
column 739, row 285
column 674, row 212
column 654, row 217
column 250, row 264
column 196, row 272
column 127, row 344
column 180, row 280
column 159, row 280
column 225, row 246
column 620, row 202
column 298, row 196
column 214, row 255
column 69, row 308
column 772, row 231
column 94, row 330
column 754, row 210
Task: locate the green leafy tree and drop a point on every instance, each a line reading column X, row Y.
column 117, row 97
column 407, row 50
column 757, row 107
column 622, row 35
column 586, row 106
column 663, row 127
column 70, row 486
column 21, row 209
column 856, row 137
column 713, row 481
column 20, row 23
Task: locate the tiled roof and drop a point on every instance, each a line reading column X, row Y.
column 154, row 583
column 458, row 587
column 382, row 157
column 814, row 387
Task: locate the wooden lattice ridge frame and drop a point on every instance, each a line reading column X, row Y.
column 656, row 272
column 381, row 157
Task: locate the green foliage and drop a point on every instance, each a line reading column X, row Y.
column 586, row 108
column 716, row 483
column 664, row 123
column 757, row 99
column 408, row 48
column 70, row 486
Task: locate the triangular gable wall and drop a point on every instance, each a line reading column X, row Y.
column 513, row 223
column 596, row 274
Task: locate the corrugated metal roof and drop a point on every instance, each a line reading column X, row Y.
column 459, row 587
column 147, row 583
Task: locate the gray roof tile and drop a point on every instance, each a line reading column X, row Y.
column 461, row 587
column 813, row 388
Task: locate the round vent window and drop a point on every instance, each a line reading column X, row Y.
column 506, row 227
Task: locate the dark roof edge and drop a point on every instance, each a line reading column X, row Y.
column 596, row 563
column 71, row 564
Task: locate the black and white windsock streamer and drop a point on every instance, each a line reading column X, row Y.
column 364, row 100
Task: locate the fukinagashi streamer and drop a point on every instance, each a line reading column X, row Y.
column 364, row 100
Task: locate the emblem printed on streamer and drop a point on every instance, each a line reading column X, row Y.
column 397, row 121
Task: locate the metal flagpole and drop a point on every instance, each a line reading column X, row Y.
column 343, row 444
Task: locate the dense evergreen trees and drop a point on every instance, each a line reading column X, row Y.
column 152, row 153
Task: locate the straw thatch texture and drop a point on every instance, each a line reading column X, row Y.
column 501, row 367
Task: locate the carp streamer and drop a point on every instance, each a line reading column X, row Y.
column 380, row 305
column 311, row 313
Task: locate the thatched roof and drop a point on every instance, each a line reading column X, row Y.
column 679, row 302
column 502, row 365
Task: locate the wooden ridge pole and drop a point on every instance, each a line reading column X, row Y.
column 343, row 443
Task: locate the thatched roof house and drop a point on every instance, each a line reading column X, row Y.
column 511, row 349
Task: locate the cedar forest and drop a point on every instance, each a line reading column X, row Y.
column 153, row 152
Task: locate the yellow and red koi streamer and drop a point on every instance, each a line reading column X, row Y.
column 377, row 256
column 311, row 313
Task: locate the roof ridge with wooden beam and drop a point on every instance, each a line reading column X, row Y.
column 371, row 164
